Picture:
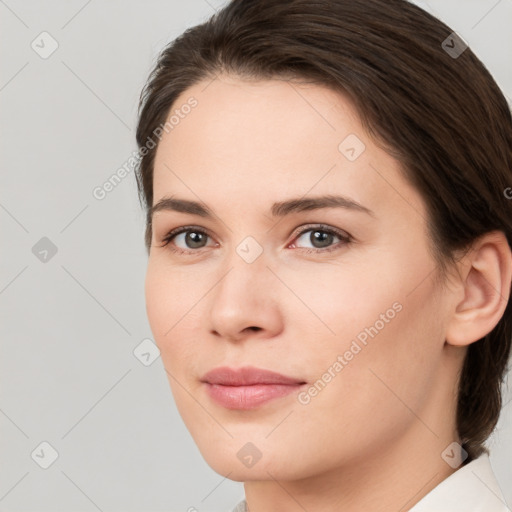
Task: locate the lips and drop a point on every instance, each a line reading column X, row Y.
column 247, row 376
column 247, row 387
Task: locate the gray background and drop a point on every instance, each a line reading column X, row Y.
column 69, row 325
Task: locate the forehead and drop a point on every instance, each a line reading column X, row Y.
column 269, row 117
column 250, row 142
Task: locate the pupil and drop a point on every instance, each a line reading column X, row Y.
column 193, row 239
column 322, row 237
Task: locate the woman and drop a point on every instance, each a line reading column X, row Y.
column 329, row 237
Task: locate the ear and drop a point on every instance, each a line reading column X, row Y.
column 482, row 290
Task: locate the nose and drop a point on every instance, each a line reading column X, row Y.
column 245, row 303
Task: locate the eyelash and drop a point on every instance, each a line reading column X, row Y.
column 344, row 237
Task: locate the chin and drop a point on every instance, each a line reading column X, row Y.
column 233, row 458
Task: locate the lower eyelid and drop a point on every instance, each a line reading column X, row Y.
column 344, row 238
column 170, row 237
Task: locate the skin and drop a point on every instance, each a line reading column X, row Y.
column 372, row 438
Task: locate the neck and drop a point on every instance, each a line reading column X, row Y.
column 393, row 479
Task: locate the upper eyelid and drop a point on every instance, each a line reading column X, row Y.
column 320, row 227
column 301, row 230
column 173, row 233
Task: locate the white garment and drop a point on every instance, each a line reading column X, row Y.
column 472, row 488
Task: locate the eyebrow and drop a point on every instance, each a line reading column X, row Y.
column 279, row 209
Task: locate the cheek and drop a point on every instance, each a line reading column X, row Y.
column 159, row 303
column 170, row 293
column 386, row 329
column 170, row 309
column 336, row 301
column 367, row 400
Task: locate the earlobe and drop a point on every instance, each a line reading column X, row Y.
column 486, row 275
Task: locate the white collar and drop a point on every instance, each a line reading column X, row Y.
column 472, row 488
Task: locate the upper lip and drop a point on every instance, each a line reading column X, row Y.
column 247, row 376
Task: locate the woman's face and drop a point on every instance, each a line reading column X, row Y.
column 340, row 298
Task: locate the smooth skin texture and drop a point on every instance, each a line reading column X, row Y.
column 372, row 438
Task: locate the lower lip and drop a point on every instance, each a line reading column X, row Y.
column 248, row 397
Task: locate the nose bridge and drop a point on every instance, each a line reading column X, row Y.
column 247, row 270
column 243, row 298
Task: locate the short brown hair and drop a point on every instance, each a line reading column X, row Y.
column 442, row 116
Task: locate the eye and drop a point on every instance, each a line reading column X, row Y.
column 321, row 238
column 192, row 237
